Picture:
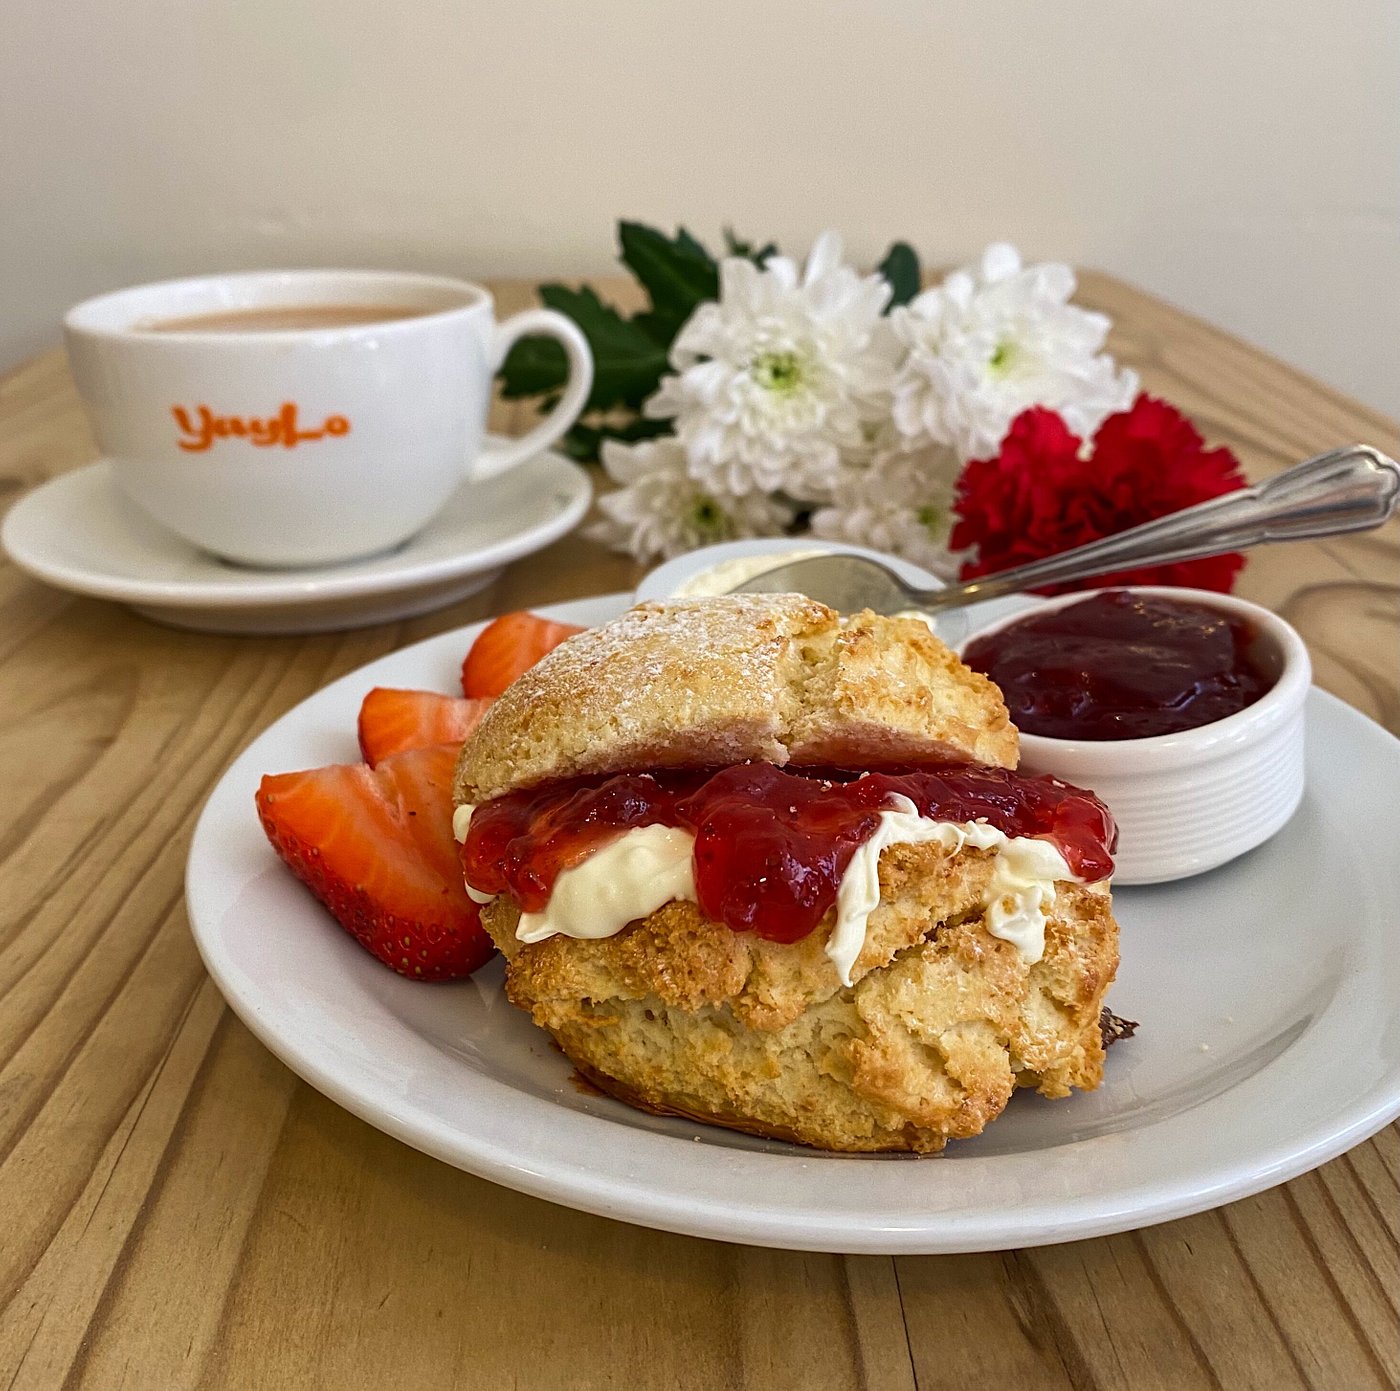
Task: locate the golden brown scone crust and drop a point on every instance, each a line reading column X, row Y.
column 679, row 1014
column 710, row 682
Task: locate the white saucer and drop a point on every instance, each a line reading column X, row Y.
column 80, row 533
column 1265, row 991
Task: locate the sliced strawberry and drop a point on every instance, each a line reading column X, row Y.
column 508, row 646
column 375, row 846
column 393, row 721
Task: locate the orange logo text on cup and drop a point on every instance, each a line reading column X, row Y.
column 201, row 431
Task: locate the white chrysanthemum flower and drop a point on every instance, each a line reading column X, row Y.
column 781, row 380
column 901, row 503
column 989, row 343
column 662, row 511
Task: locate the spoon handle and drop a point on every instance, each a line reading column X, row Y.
column 1349, row 489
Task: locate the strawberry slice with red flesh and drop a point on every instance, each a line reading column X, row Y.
column 375, row 846
column 394, row 721
column 508, row 646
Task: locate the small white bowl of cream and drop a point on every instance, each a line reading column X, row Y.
column 717, row 569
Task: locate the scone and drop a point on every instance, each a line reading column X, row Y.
column 754, row 864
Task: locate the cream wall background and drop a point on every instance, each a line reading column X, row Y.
column 1240, row 157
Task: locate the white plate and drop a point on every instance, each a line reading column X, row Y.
column 80, row 533
column 1266, row 991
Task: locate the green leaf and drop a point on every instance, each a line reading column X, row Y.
column 584, row 442
column 736, row 246
column 532, row 366
column 660, row 328
column 688, row 244
column 627, row 362
column 901, row 268
column 677, row 274
column 581, row 444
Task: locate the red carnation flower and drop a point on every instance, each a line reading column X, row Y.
column 1044, row 493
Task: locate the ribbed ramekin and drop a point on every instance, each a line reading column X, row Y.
column 1188, row 802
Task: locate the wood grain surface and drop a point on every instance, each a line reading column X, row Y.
column 178, row 1210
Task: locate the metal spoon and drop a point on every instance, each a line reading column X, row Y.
column 1350, row 489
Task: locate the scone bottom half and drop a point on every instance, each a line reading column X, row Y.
column 678, row 978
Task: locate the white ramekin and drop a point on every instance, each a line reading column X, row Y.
column 1188, row 802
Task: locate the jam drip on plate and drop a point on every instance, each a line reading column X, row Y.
column 771, row 844
column 1121, row 666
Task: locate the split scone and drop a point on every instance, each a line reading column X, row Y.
column 764, row 867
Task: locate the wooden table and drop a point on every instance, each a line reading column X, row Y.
column 177, row 1209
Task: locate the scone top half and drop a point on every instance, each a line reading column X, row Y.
column 704, row 683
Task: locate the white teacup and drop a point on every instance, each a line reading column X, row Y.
column 331, row 439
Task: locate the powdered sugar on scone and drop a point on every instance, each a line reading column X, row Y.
column 710, row 682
